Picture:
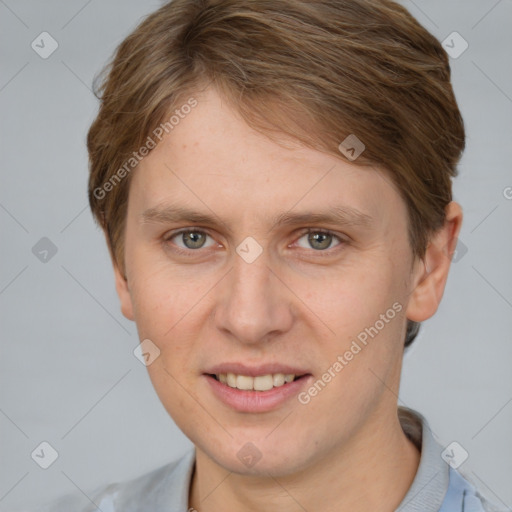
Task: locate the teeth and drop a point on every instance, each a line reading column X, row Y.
column 260, row 383
column 278, row 379
column 243, row 382
column 231, row 380
column 263, row 382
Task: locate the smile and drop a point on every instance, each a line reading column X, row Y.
column 258, row 394
column 259, row 383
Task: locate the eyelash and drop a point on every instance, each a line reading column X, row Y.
column 321, row 253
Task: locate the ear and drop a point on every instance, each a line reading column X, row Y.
column 123, row 291
column 431, row 273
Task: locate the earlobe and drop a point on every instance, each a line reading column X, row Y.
column 123, row 293
column 431, row 274
column 121, row 283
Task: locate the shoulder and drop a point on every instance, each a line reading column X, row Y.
column 463, row 495
column 438, row 485
column 156, row 490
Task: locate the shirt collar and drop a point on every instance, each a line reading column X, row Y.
column 427, row 491
column 432, row 478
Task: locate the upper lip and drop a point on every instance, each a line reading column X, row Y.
column 255, row 371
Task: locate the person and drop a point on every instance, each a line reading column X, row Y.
column 273, row 180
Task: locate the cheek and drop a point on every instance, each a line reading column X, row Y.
column 159, row 294
column 352, row 297
column 363, row 309
column 168, row 308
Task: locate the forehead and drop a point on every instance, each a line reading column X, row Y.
column 211, row 159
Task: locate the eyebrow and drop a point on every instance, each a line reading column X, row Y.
column 338, row 215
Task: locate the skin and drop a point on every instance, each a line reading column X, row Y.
column 300, row 302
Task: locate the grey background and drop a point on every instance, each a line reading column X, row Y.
column 68, row 373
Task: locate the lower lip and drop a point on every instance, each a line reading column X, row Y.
column 256, row 401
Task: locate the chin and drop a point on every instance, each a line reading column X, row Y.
column 260, row 458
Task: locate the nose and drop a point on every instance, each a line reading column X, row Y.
column 254, row 305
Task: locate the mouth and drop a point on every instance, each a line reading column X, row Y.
column 259, row 383
column 264, row 391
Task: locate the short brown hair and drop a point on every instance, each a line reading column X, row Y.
column 315, row 70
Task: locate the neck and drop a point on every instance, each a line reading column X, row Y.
column 374, row 472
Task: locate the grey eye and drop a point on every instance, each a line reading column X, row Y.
column 192, row 239
column 318, row 240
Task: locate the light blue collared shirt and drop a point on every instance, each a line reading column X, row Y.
column 437, row 487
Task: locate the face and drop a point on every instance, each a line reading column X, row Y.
column 248, row 258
